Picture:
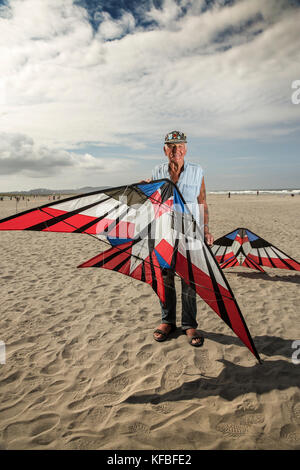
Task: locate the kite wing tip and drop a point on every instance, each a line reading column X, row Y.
column 81, row 265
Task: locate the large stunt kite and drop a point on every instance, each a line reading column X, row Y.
column 241, row 247
column 148, row 228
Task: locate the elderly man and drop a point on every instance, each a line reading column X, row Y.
column 190, row 181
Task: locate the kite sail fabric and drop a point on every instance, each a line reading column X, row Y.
column 241, row 247
column 148, row 228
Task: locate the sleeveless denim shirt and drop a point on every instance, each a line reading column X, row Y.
column 189, row 183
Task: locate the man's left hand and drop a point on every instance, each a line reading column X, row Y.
column 209, row 238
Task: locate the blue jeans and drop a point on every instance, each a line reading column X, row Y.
column 188, row 298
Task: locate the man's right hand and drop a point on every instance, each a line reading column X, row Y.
column 148, row 180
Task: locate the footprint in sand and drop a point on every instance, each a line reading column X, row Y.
column 18, row 358
column 84, row 443
column 169, row 383
column 171, row 376
column 175, row 370
column 250, row 413
column 151, row 368
column 291, row 434
column 15, row 430
column 162, row 408
column 112, row 354
column 145, row 353
column 251, row 418
column 118, row 384
column 95, row 341
column 97, row 415
column 232, row 430
column 202, row 361
column 138, row 428
column 296, row 411
column 78, row 405
column 106, row 399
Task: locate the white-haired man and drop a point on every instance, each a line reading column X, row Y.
column 190, row 181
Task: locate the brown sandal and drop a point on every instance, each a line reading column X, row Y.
column 164, row 334
column 190, row 339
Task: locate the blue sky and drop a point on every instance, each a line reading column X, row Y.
column 89, row 88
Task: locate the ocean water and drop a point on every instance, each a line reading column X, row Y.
column 283, row 192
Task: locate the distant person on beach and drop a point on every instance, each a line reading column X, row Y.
column 229, row 194
column 190, row 181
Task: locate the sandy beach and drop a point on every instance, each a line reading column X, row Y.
column 82, row 370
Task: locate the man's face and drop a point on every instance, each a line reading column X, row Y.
column 175, row 152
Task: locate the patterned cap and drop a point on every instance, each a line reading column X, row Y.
column 175, row 137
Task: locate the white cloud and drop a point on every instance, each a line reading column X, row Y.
column 113, row 29
column 166, row 16
column 222, row 72
column 20, row 154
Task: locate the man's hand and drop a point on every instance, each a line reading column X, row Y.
column 148, row 180
column 209, row 238
column 202, row 201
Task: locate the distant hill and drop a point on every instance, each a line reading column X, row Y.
column 48, row 192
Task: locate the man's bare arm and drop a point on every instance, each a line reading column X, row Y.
column 202, row 200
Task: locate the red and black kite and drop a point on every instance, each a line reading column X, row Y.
column 148, row 228
column 241, row 247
